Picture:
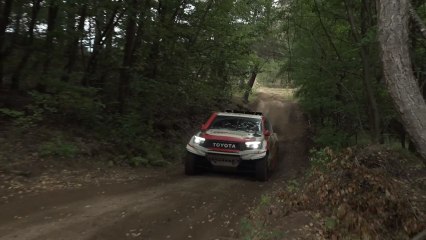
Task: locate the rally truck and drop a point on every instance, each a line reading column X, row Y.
column 234, row 140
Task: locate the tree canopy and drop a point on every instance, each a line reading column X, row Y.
column 134, row 63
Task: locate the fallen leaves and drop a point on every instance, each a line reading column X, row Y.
column 53, row 179
column 365, row 192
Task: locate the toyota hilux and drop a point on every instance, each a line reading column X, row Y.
column 236, row 140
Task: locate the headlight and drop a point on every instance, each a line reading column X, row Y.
column 199, row 140
column 253, row 145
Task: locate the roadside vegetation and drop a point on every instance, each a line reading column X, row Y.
column 359, row 193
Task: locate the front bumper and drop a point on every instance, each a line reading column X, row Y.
column 242, row 166
column 243, row 155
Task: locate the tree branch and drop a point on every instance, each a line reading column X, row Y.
column 416, row 18
column 327, row 34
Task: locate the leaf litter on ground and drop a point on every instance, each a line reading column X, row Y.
column 360, row 193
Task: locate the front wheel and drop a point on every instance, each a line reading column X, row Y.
column 190, row 167
column 262, row 169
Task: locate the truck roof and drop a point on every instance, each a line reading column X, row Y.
column 256, row 115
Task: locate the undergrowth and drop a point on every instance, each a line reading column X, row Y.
column 357, row 193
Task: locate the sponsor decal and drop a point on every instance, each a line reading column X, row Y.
column 225, row 145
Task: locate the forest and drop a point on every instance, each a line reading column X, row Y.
column 127, row 65
column 131, row 64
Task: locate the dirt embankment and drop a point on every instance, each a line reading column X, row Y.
column 164, row 205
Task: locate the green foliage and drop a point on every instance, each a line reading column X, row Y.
column 23, row 120
column 58, row 147
column 75, row 105
column 330, row 223
column 271, row 75
column 32, row 119
column 327, row 68
column 154, row 155
column 11, row 113
column 320, row 158
column 135, row 88
column 69, row 104
column 152, row 158
column 138, row 161
column 265, row 200
column 127, row 85
column 139, row 140
column 129, row 132
column 332, row 137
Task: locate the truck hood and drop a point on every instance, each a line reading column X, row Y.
column 230, row 135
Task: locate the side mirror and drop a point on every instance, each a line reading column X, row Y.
column 267, row 133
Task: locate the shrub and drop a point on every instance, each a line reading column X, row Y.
column 68, row 103
column 138, row 161
column 319, row 158
column 332, row 137
column 58, row 147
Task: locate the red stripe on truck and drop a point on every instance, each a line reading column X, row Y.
column 209, row 122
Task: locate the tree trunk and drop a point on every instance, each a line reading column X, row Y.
column 51, row 26
column 373, row 109
column 99, row 43
column 124, row 84
column 339, row 84
column 16, row 76
column 250, row 83
column 153, row 57
column 49, row 46
column 73, row 45
column 140, row 33
column 4, row 21
column 402, row 85
column 19, row 15
column 167, row 12
column 366, row 23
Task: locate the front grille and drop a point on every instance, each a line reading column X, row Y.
column 223, row 145
column 223, row 160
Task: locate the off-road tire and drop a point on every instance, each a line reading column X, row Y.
column 190, row 164
column 262, row 172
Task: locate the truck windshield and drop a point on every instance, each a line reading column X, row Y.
column 237, row 123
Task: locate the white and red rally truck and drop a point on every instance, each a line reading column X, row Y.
column 239, row 140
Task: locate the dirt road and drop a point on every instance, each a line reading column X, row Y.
column 169, row 206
